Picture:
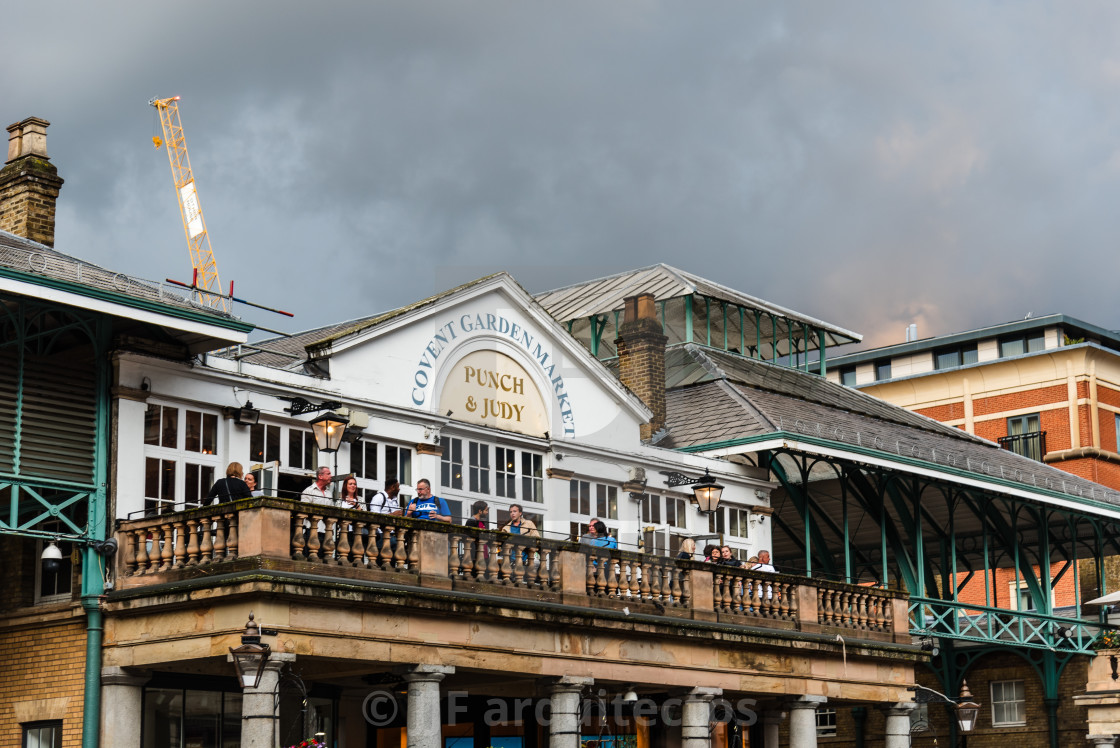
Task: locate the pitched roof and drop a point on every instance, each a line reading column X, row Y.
column 607, row 294
column 743, row 399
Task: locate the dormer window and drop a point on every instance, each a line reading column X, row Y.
column 959, row 355
column 1017, row 345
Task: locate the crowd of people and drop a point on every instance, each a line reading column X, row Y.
column 240, row 485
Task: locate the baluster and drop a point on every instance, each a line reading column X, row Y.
column 206, row 544
column 554, row 570
column 784, row 607
column 717, row 591
column 612, row 578
column 165, row 547
column 192, row 542
column 493, row 561
column 313, row 539
column 847, row 608
column 388, row 544
column 344, row 545
column 141, row 537
column 686, row 588
column 645, row 590
column 466, row 562
column 517, row 565
column 880, row 614
column 601, row 575
column 178, row 545
column 504, row 562
column 861, row 611
column 737, row 591
column 592, row 569
column 329, row 544
column 822, row 605
column 657, row 583
column 358, row 550
column 413, row 557
column 372, row 547
column 231, row 536
column 299, row 541
column 219, row 538
column 481, row 559
column 675, row 585
column 153, row 551
column 129, row 557
column 543, row 568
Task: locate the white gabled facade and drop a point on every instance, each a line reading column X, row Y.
column 480, row 391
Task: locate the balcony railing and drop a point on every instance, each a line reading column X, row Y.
column 280, row 534
column 1032, row 445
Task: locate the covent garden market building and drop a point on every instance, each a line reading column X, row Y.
column 271, row 620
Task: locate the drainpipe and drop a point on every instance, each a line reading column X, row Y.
column 91, row 712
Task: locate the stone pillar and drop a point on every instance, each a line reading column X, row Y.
column 803, row 721
column 696, row 717
column 564, row 695
column 424, row 723
column 121, row 703
column 1102, row 741
column 259, row 719
column 897, row 731
column 771, row 722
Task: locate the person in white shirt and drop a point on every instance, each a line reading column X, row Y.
column 385, row 502
column 319, row 492
column 764, row 562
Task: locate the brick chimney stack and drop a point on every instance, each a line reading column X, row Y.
column 641, row 358
column 29, row 183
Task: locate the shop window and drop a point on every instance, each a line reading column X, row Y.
column 826, row 722
column 42, row 734
column 189, row 717
column 1009, row 704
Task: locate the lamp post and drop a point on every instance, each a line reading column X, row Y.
column 329, row 429
column 706, row 492
column 964, row 707
column 250, row 658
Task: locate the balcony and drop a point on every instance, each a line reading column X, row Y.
column 267, row 535
column 1032, row 445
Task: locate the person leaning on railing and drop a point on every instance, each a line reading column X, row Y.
column 230, row 488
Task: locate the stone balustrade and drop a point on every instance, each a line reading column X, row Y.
column 284, row 535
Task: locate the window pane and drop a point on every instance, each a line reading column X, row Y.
column 969, row 355
column 309, row 450
column 151, row 478
column 170, row 436
column 947, row 359
column 210, row 434
column 295, row 449
column 573, row 488
column 167, row 485
column 848, row 377
column 612, row 502
column 272, row 448
column 1011, row 347
column 193, row 421
column 256, row 442
column 151, row 424
column 1036, row 341
column 882, row 370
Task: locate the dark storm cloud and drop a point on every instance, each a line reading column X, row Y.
column 955, row 165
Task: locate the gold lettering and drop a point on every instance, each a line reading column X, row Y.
column 469, row 370
column 519, row 387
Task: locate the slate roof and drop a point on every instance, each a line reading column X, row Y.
column 26, row 256
column 737, row 398
column 604, row 295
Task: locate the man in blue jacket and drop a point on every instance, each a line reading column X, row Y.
column 426, row 506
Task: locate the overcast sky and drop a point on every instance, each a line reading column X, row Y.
column 950, row 164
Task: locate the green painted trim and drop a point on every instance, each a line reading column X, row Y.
column 91, row 709
column 708, row 319
column 820, row 347
column 688, row 319
column 125, row 300
column 910, row 461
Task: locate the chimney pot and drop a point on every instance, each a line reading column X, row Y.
column 27, row 138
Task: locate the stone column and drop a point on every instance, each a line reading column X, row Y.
column 897, row 731
column 564, row 694
column 771, row 722
column 803, row 721
column 1102, row 741
column 258, row 705
column 121, row 705
column 696, row 717
column 424, row 723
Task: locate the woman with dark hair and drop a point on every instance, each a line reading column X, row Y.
column 230, row 488
column 479, row 518
column 709, row 550
column 350, row 497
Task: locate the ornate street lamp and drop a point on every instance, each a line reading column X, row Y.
column 329, row 429
column 250, row 658
column 706, row 492
column 967, row 709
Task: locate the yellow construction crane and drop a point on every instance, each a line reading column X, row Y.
column 205, row 284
